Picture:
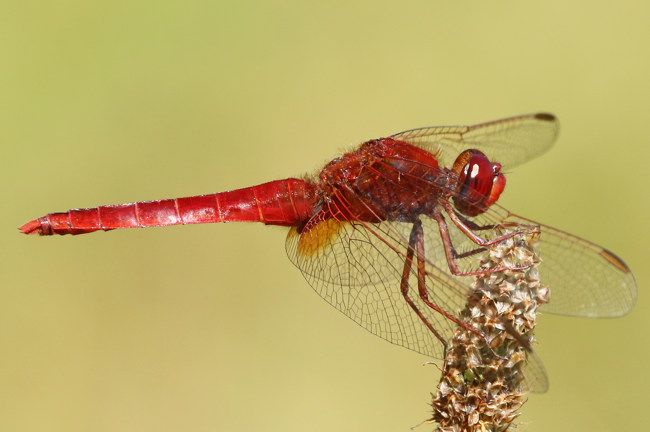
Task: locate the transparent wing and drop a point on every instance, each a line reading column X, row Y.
column 357, row 267
column 510, row 141
column 585, row 279
column 535, row 377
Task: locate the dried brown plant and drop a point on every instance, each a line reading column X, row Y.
column 485, row 379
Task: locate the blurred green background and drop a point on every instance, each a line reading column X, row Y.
column 205, row 328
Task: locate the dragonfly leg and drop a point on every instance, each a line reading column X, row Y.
column 476, row 227
column 416, row 243
column 404, row 287
column 468, row 253
column 473, row 226
column 468, row 228
column 451, row 255
column 416, row 246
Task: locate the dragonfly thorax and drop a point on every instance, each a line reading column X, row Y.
column 386, row 179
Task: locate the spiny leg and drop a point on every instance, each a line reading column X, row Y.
column 467, row 228
column 416, row 242
column 450, row 252
column 476, row 227
column 417, row 237
column 519, row 228
column 404, row 288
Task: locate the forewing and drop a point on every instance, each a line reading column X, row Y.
column 357, row 267
column 510, row 141
column 585, row 279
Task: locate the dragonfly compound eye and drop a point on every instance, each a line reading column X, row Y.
column 480, row 182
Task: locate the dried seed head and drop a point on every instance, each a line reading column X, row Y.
column 483, row 385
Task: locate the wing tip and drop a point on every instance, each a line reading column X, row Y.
column 613, row 259
column 545, row 116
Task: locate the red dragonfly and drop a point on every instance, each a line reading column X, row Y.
column 365, row 227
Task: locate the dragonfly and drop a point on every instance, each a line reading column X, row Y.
column 362, row 230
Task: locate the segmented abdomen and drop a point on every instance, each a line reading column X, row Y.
column 281, row 202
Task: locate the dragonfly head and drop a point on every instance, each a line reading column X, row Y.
column 480, row 182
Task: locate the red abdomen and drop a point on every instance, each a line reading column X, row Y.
column 281, row 202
